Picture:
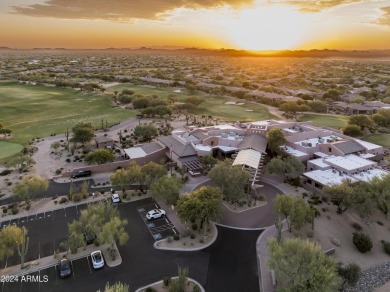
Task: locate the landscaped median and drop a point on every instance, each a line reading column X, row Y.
column 161, row 286
column 189, row 240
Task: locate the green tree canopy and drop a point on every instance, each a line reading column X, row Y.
column 301, row 265
column 202, row 205
column 9, row 236
column 22, row 162
column 290, row 167
column 167, row 189
column 275, row 138
column 100, row 156
column 99, row 219
column 30, row 187
column 232, row 180
column 352, row 130
column 83, row 132
column 152, row 172
column 117, row 287
column 145, row 132
column 363, row 121
column 129, row 176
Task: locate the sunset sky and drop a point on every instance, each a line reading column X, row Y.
column 238, row 24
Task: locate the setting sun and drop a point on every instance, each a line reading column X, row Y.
column 267, row 28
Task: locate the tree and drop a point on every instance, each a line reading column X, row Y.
column 100, row 156
column 363, row 121
column 55, row 145
column 332, row 94
column 341, row 195
column 352, row 130
column 232, row 180
column 275, row 138
column 295, row 210
column 152, row 172
column 167, row 189
column 145, row 132
column 301, row 265
column 290, row 167
column 22, row 162
column 99, row 219
column 350, row 274
column 9, row 236
column 318, row 106
column 208, row 161
column 292, row 107
column 202, row 205
column 5, row 132
column 30, row 187
column 129, row 176
column 379, row 188
column 83, row 132
column 117, row 287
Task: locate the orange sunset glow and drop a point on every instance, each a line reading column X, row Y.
column 237, row 24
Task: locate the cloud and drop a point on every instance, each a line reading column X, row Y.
column 385, row 18
column 118, row 10
column 316, row 5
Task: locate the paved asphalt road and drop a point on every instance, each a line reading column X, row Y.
column 229, row 265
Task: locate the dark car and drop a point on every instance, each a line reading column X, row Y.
column 82, row 173
column 65, row 268
column 89, row 238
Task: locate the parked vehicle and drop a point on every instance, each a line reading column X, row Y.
column 65, row 268
column 82, row 173
column 155, row 214
column 115, row 198
column 97, row 259
column 89, row 238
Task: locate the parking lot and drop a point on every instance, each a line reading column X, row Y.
column 159, row 228
column 48, row 279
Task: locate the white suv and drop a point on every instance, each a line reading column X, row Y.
column 155, row 214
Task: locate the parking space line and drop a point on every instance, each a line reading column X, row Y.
column 89, row 265
column 65, row 212
column 56, row 272
column 39, row 248
column 71, row 263
column 2, row 287
column 77, row 210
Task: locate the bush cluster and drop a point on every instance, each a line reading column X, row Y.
column 362, row 242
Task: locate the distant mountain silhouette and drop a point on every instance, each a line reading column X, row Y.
column 167, row 50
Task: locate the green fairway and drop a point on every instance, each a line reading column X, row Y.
column 213, row 105
column 8, row 149
column 38, row 111
column 380, row 139
column 333, row 121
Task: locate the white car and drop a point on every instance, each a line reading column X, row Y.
column 155, row 214
column 115, row 198
column 97, row 259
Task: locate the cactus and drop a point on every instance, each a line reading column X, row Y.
column 23, row 247
column 279, row 226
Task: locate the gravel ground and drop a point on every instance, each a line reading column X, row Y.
column 372, row 278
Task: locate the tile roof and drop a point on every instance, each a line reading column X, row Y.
column 255, row 141
column 178, row 148
column 348, row 147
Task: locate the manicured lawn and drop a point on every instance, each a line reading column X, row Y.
column 8, row 149
column 333, row 121
column 38, row 111
column 213, row 105
column 380, row 139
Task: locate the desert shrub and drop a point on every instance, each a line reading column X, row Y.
column 325, row 199
column 357, row 226
column 67, row 160
column 5, row 172
column 15, row 211
column 386, row 246
column 9, row 183
column 176, row 236
column 76, row 198
column 58, row 171
column 55, row 202
column 194, row 226
column 362, row 242
column 5, row 210
column 28, row 206
column 196, row 289
column 379, row 223
column 167, row 281
column 63, row 200
column 150, row 289
column 192, row 236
